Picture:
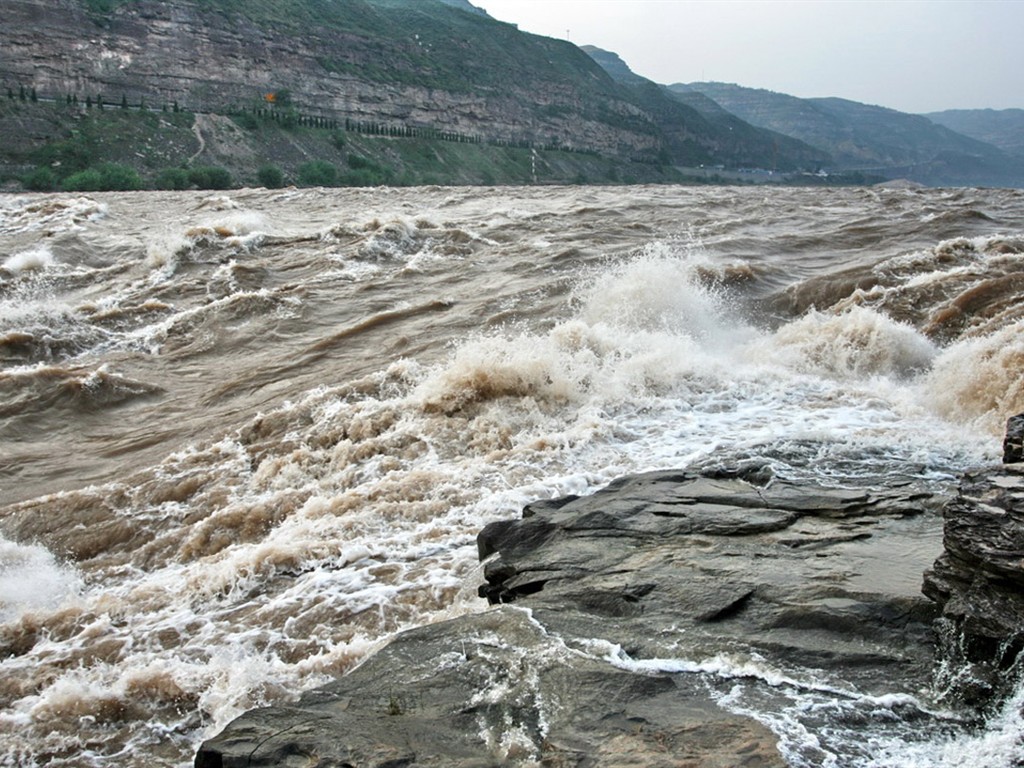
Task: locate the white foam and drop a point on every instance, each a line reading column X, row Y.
column 999, row 744
column 48, row 212
column 859, row 342
column 799, row 703
column 721, row 665
column 658, row 290
column 875, row 732
column 31, row 579
column 979, row 381
column 38, row 258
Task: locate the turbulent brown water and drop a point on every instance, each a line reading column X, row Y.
column 247, row 436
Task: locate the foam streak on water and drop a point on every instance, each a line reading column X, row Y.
column 244, row 447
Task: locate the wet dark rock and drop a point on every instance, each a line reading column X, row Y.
column 662, row 566
column 493, row 689
column 1013, row 443
column 782, row 569
column 978, row 581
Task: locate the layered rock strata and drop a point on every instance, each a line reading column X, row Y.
column 978, row 581
column 803, row 575
column 208, row 60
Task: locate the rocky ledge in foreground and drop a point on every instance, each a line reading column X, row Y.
column 613, row 594
column 979, row 579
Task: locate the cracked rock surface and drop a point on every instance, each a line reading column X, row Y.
column 810, row 576
column 600, row 606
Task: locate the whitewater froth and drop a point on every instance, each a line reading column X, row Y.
column 33, row 259
column 303, row 406
column 31, row 579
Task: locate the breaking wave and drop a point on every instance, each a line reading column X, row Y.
column 250, row 444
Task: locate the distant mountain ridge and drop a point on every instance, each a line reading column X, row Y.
column 1002, row 128
column 465, row 5
column 869, row 138
column 746, row 144
column 689, row 123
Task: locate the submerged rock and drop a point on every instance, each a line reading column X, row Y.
column 614, row 594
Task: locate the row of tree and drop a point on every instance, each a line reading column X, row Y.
column 288, row 117
column 23, row 95
column 107, row 177
column 282, row 111
column 71, row 99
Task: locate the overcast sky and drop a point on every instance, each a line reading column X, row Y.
column 910, row 55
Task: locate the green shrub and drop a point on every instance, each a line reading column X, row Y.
column 119, row 177
column 109, row 176
column 246, row 120
column 207, row 177
column 173, row 178
column 318, row 173
column 357, row 179
column 357, row 162
column 270, row 176
column 40, row 180
column 69, row 155
column 365, row 172
column 88, row 180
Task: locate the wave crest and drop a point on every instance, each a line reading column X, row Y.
column 859, row 342
column 978, row 380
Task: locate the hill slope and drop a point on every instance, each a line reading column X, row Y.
column 407, row 86
column 1002, row 128
column 398, row 63
column 391, row 68
column 869, row 138
column 689, row 119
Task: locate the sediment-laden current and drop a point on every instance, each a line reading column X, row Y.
column 246, row 437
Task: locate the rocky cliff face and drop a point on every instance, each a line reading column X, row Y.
column 207, row 58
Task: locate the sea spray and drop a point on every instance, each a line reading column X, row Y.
column 856, row 343
column 25, row 261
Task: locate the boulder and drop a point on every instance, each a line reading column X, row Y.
column 604, row 606
column 493, row 689
column 803, row 575
column 978, row 581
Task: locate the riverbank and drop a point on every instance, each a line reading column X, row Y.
column 639, row 612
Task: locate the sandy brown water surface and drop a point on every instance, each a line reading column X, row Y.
column 245, row 436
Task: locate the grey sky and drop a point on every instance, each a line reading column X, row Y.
column 910, row 55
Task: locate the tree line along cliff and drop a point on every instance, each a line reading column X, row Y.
column 401, row 91
column 420, row 69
